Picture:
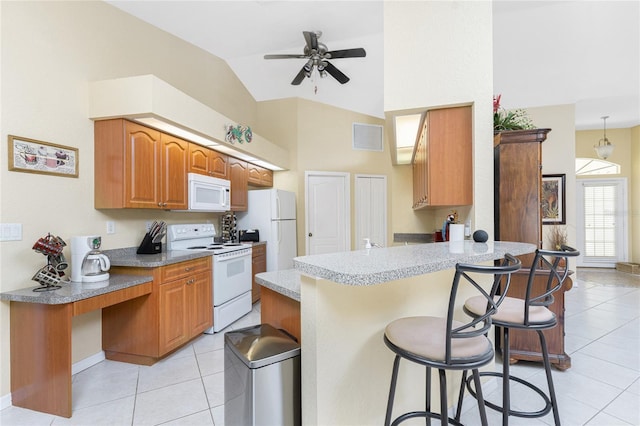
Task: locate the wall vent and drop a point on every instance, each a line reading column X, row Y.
column 367, row 137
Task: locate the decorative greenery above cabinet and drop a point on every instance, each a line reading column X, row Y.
column 442, row 160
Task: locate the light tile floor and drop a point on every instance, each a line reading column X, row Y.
column 602, row 387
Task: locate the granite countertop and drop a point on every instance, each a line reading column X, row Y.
column 285, row 282
column 128, row 257
column 74, row 291
column 378, row 265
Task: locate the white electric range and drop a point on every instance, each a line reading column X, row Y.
column 231, row 270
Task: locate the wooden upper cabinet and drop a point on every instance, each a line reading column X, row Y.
column 141, row 166
column 138, row 167
column 442, row 165
column 219, row 165
column 175, row 163
column 207, row 161
column 239, row 177
column 259, row 176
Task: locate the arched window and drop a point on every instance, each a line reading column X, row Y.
column 596, row 166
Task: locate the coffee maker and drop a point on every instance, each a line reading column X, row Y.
column 88, row 263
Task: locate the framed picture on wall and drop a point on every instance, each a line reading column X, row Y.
column 553, row 200
column 33, row 156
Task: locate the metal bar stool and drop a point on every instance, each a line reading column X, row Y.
column 447, row 344
column 530, row 313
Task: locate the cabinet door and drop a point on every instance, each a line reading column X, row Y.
column 267, row 177
column 172, row 315
column 200, row 303
column 449, row 157
column 142, row 166
column 254, row 177
column 259, row 176
column 219, row 164
column 442, row 164
column 258, row 265
column 238, row 174
column 175, row 163
column 199, row 159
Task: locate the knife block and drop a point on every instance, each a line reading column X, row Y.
column 148, row 246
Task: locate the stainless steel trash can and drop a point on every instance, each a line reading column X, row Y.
column 261, row 377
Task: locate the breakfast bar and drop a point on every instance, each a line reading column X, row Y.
column 346, row 301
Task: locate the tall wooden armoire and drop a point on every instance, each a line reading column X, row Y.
column 518, row 217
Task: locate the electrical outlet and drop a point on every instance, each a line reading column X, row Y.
column 111, row 227
column 11, row 232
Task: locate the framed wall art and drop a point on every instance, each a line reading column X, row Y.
column 554, row 200
column 33, row 156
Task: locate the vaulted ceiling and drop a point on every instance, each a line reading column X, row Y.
column 585, row 53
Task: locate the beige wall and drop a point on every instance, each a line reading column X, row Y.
column 627, row 155
column 436, row 54
column 634, row 201
column 50, row 51
column 559, row 146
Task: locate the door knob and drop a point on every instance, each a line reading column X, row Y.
column 310, row 234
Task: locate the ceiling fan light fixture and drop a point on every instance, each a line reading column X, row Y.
column 604, row 148
column 317, row 55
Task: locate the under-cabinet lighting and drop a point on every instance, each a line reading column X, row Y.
column 201, row 140
column 175, row 130
column 406, row 129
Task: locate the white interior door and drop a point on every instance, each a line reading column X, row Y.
column 327, row 199
column 601, row 222
column 371, row 209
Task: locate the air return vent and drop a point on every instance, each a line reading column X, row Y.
column 367, row 137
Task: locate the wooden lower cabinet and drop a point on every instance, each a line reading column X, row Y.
column 525, row 344
column 281, row 312
column 179, row 308
column 258, row 265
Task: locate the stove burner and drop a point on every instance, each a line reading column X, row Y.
column 196, row 247
column 214, row 247
column 232, row 244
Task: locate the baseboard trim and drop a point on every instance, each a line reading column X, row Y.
column 5, row 400
column 89, row 361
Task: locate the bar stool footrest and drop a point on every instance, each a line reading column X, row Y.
column 526, row 414
column 413, row 414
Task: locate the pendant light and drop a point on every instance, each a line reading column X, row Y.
column 604, row 148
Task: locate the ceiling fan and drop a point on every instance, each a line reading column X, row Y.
column 317, row 56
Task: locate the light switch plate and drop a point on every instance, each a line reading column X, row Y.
column 111, row 227
column 11, row 232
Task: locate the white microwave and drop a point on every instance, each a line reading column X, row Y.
column 208, row 194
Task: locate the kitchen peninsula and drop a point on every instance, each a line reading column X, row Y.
column 346, row 301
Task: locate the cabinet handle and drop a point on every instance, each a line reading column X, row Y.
column 159, row 204
column 191, row 281
column 188, row 268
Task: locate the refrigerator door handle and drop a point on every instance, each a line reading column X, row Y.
column 278, row 208
column 279, row 236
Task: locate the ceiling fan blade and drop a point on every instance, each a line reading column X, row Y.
column 311, row 39
column 298, row 78
column 336, row 73
column 347, row 53
column 285, row 56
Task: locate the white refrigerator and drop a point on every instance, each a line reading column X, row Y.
column 273, row 213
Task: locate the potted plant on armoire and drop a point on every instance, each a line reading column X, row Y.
column 518, row 217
